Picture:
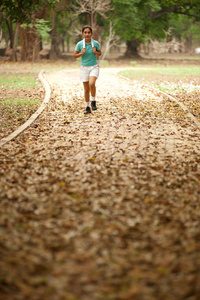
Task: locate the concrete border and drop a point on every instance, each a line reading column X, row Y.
column 34, row 116
column 192, row 117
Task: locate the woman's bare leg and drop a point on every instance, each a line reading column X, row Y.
column 86, row 91
column 92, row 82
column 87, row 97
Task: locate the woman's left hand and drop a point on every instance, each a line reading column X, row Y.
column 94, row 50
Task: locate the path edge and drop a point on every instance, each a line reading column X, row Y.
column 192, row 117
column 20, row 129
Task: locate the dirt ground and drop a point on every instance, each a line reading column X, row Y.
column 103, row 206
column 11, row 119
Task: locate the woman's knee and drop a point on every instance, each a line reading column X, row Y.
column 86, row 88
column 92, row 85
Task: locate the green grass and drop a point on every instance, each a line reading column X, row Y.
column 10, row 102
column 167, row 79
column 16, row 99
column 146, row 72
column 13, row 81
column 133, row 63
column 14, row 114
column 18, row 108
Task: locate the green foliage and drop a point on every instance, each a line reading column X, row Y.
column 138, row 19
column 185, row 7
column 133, row 19
column 41, row 26
column 21, row 11
column 184, row 27
column 127, row 22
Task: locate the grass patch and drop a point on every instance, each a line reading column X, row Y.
column 170, row 88
column 133, row 63
column 19, row 102
column 13, row 81
column 18, row 109
column 167, row 79
column 20, row 97
column 180, row 71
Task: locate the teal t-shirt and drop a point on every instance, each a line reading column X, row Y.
column 88, row 59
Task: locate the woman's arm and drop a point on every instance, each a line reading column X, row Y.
column 97, row 52
column 78, row 54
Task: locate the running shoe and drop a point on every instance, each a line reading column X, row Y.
column 93, row 105
column 87, row 110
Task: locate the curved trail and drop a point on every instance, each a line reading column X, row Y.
column 103, row 206
column 122, row 106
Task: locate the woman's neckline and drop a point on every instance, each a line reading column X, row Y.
column 89, row 42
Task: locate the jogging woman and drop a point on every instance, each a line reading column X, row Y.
column 88, row 49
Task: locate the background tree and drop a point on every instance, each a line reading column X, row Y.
column 186, row 30
column 132, row 21
column 135, row 20
column 17, row 12
column 128, row 24
column 111, row 39
column 92, row 9
column 60, row 22
column 12, row 14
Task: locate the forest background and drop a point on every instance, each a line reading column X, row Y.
column 35, row 29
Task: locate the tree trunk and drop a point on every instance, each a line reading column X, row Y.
column 132, row 49
column 16, row 36
column 30, row 44
column 97, row 31
column 188, row 44
column 1, row 34
column 10, row 31
column 68, row 44
column 54, row 52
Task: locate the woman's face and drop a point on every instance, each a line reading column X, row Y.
column 87, row 34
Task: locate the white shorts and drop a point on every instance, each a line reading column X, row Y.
column 86, row 72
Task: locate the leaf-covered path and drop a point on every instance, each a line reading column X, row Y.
column 103, row 206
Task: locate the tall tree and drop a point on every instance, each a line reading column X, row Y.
column 20, row 11
column 186, row 30
column 128, row 23
column 61, row 8
column 134, row 20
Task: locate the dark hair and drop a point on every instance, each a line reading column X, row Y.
column 87, row 26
